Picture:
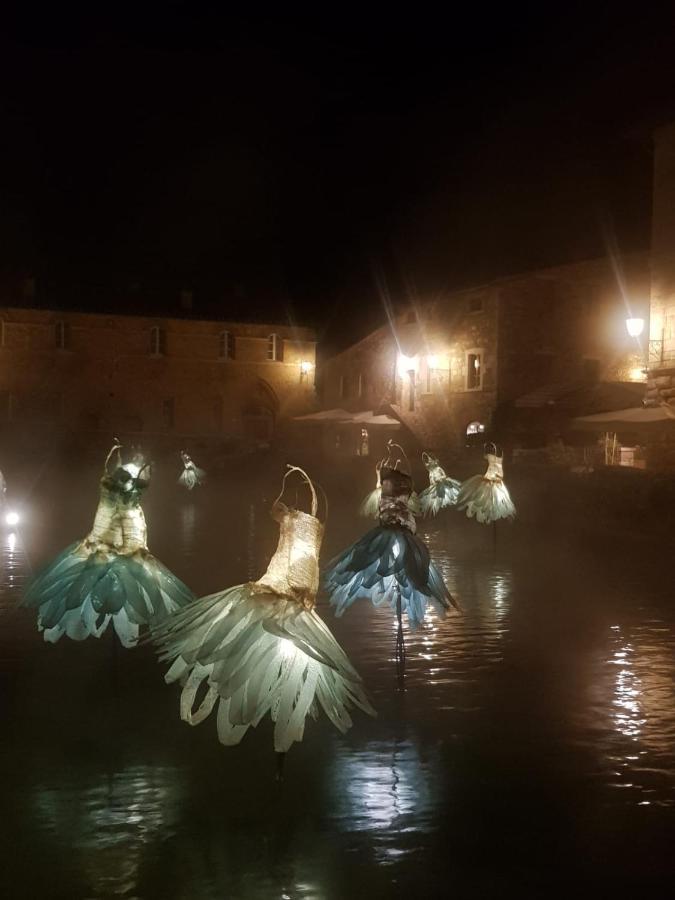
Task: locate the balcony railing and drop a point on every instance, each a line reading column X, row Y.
column 659, row 354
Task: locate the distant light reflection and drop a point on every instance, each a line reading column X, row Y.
column 110, row 823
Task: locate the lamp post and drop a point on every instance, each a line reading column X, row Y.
column 635, row 326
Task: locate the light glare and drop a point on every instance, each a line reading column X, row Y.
column 406, row 364
column 634, row 327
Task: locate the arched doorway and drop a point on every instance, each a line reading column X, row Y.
column 260, row 411
column 475, row 432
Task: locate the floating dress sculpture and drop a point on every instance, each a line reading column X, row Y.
column 110, row 575
column 191, row 476
column 486, row 497
column 442, row 490
column 389, row 564
column 370, row 506
column 261, row 647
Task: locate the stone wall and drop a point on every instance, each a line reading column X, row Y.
column 105, row 376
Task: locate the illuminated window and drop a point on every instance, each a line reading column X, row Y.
column 227, row 345
column 475, row 428
column 157, row 341
column 474, row 370
column 61, row 335
column 168, row 413
column 275, row 348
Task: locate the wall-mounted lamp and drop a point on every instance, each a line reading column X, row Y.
column 306, row 368
column 405, row 364
column 635, row 327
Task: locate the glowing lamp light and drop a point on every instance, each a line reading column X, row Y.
column 12, row 518
column 306, row 366
column 435, row 362
column 637, row 375
column 635, row 327
column 406, row 364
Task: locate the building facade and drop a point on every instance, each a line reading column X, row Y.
column 452, row 368
column 132, row 375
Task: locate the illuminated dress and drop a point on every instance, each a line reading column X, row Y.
column 262, row 648
column 389, row 564
column 370, row 506
column 486, row 496
column 111, row 574
column 442, row 490
column 191, row 476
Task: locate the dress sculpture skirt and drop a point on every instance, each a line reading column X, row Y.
column 485, row 497
column 442, row 491
column 110, row 576
column 262, row 648
column 389, row 564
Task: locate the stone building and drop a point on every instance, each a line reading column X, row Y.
column 169, row 378
column 453, row 368
column 661, row 376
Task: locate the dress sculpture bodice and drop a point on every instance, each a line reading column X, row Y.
column 395, row 511
column 119, row 523
column 495, row 469
column 294, row 567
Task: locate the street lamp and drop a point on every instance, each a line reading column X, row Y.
column 306, row 368
column 635, row 327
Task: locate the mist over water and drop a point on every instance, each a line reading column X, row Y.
column 532, row 751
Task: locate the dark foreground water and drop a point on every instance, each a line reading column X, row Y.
column 532, row 753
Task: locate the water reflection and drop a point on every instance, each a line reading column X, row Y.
column 188, row 531
column 111, row 824
column 388, row 789
column 551, row 683
column 633, row 714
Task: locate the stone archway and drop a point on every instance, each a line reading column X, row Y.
column 260, row 411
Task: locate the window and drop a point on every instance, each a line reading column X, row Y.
column 227, row 345
column 157, row 341
column 361, row 388
column 474, row 370
column 61, row 335
column 275, row 348
column 168, row 410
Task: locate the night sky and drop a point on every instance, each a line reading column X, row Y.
column 296, row 167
